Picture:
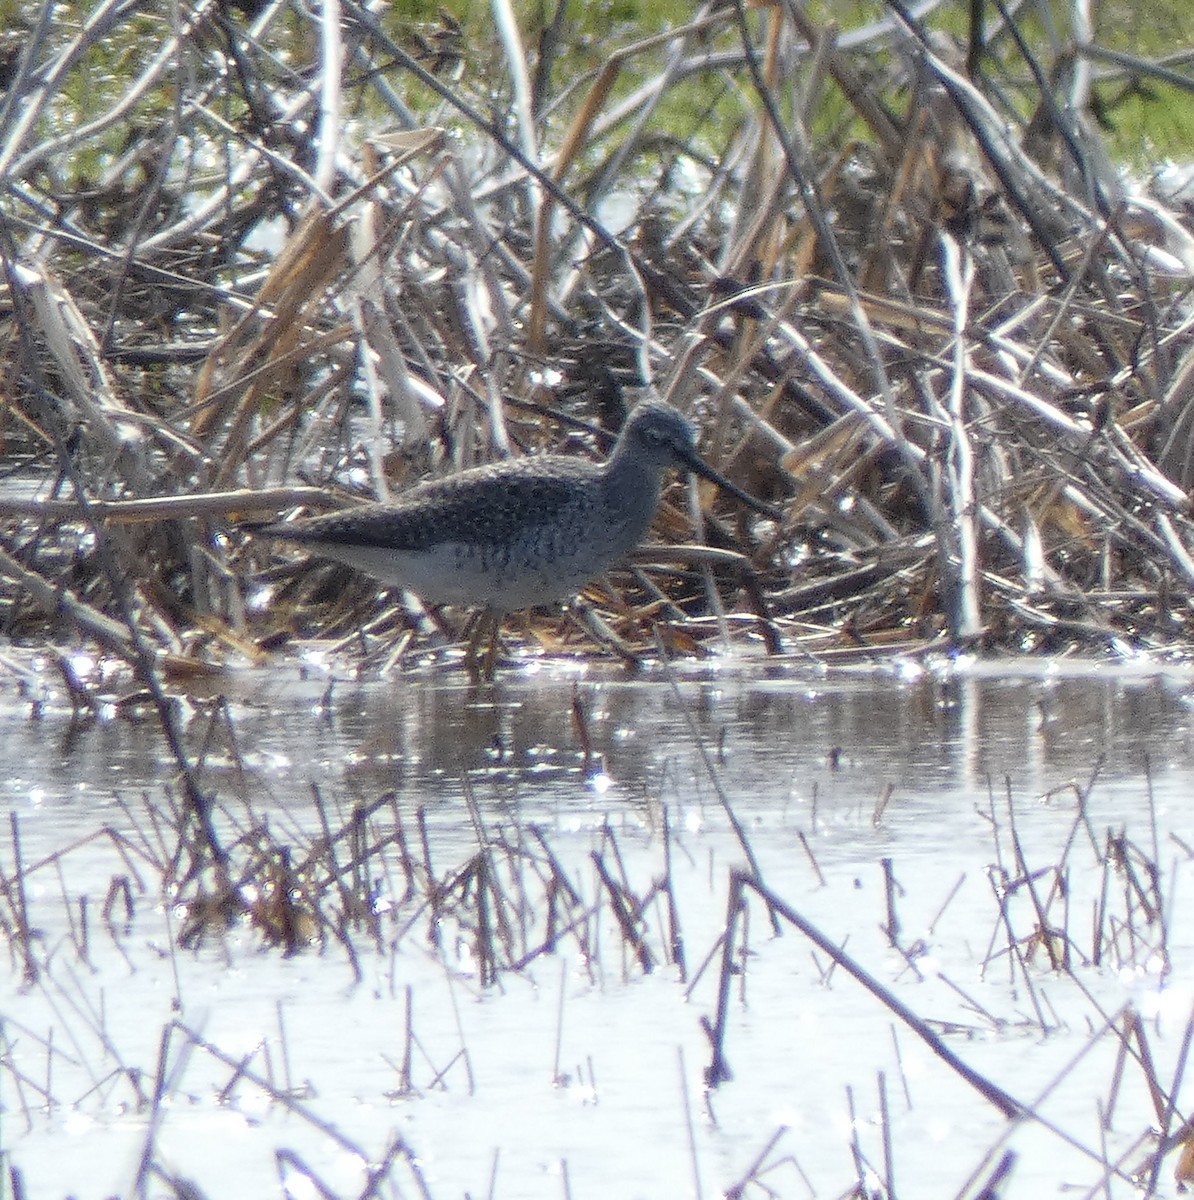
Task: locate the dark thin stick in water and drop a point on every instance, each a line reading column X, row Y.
column 30, row 971
column 736, row 1191
column 432, row 890
column 946, row 902
column 1100, row 912
column 698, row 975
column 1146, row 893
column 333, row 866
column 1005, row 1103
column 438, row 1080
column 84, row 942
column 826, row 973
column 1107, row 1167
column 406, row 1072
column 718, row 1070
column 1014, row 958
column 888, row 1152
column 449, row 976
column 1171, row 1101
column 73, row 929
column 743, row 953
column 1033, row 1111
column 610, row 838
column 580, row 723
column 19, row 1082
column 1022, row 864
column 1117, row 1073
column 496, row 925
column 560, row 876
column 910, row 956
column 1067, row 894
column 291, row 1103
column 172, row 948
column 812, row 858
column 626, row 920
column 892, row 928
column 493, row 1173
column 987, row 1015
column 855, row 1147
column 992, row 814
column 404, row 854
column 290, row 1164
column 1152, row 806
column 675, row 936
column 49, row 1089
column 1013, row 943
column 119, row 888
column 155, row 1113
column 881, row 805
column 284, row 1044
column 895, row 1042
column 990, row 1187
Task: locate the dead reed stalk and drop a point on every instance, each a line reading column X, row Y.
column 947, row 340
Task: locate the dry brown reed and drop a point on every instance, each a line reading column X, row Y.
column 948, row 340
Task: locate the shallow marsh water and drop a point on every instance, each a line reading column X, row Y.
column 580, row 1075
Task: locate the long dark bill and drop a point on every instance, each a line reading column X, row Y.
column 701, row 467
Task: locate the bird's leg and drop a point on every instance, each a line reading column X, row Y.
column 481, row 666
column 491, row 653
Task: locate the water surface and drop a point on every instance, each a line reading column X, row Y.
column 580, row 1074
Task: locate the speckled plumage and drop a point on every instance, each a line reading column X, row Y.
column 514, row 534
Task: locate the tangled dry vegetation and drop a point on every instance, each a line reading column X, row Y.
column 268, row 258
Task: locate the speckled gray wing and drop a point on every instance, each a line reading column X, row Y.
column 488, row 506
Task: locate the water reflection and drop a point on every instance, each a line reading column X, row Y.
column 767, row 734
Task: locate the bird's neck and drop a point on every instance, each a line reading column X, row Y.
column 632, row 490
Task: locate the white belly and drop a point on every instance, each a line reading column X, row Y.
column 472, row 575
